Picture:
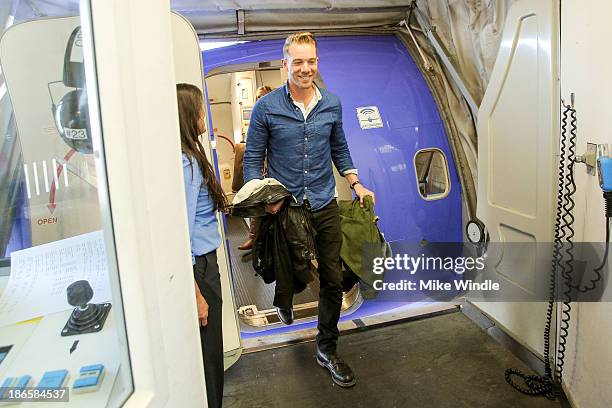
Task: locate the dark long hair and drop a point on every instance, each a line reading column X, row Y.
column 190, row 105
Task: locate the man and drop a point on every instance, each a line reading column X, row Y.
column 300, row 125
column 248, row 244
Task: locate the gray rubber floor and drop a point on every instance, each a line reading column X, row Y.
column 443, row 361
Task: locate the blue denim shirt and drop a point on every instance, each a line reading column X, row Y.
column 201, row 214
column 299, row 152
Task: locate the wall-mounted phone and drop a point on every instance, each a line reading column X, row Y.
column 243, row 99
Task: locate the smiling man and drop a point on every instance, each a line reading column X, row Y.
column 300, row 126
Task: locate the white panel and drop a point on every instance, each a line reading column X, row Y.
column 272, row 78
column 219, row 96
column 513, row 139
column 517, row 145
column 222, row 122
column 519, row 261
column 585, row 63
column 188, row 69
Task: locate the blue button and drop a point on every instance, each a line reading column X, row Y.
column 89, row 379
column 93, row 367
column 8, row 381
column 23, row 381
column 86, row 382
column 53, row 379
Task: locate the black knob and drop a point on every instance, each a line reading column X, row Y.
column 79, row 293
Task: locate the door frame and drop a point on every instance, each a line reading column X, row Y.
column 137, row 105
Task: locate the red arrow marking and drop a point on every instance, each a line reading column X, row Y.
column 51, row 206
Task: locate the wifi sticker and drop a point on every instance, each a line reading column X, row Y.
column 369, row 117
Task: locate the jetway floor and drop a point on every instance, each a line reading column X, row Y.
column 249, row 288
column 442, row 361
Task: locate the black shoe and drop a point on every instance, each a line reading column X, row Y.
column 340, row 372
column 285, row 315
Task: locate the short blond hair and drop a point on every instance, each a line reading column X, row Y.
column 304, row 37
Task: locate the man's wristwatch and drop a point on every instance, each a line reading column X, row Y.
column 354, row 183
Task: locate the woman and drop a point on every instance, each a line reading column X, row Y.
column 204, row 198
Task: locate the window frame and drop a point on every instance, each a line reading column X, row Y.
column 447, row 190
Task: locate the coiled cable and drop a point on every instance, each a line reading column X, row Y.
column 592, row 285
column 568, row 264
column 549, row 385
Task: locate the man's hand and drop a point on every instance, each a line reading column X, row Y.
column 202, row 310
column 361, row 192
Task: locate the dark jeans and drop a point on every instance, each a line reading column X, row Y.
column 206, row 272
column 326, row 223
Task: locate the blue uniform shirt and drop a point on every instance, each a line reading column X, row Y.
column 300, row 152
column 201, row 215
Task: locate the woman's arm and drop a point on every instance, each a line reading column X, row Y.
column 202, row 306
column 193, row 183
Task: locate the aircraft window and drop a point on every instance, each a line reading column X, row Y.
column 61, row 316
column 431, row 171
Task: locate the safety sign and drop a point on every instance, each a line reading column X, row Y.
column 369, row 117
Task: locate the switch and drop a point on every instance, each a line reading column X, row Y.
column 90, row 379
column 53, row 379
column 23, row 382
column 6, row 384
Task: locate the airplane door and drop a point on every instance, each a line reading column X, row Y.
column 518, row 127
column 188, row 69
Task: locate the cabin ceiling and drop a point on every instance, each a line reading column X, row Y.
column 214, row 18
